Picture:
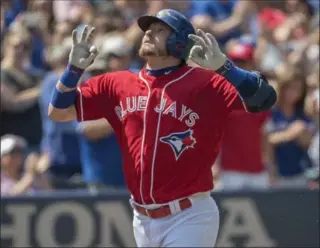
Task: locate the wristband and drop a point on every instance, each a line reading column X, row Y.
column 232, row 73
column 63, row 100
column 247, row 83
column 71, row 76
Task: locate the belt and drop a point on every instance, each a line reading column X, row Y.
column 163, row 211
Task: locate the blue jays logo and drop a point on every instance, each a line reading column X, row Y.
column 179, row 142
column 163, row 13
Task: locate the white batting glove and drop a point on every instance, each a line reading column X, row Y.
column 82, row 52
column 206, row 51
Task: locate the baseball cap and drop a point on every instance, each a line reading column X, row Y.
column 241, row 51
column 10, row 142
column 272, row 18
column 116, row 45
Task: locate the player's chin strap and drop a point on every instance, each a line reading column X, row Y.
column 264, row 98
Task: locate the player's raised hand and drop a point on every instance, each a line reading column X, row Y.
column 206, row 51
column 83, row 52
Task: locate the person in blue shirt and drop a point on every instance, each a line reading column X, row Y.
column 12, row 9
column 89, row 148
column 225, row 19
column 37, row 20
column 101, row 156
column 205, row 13
column 289, row 134
column 100, row 152
column 60, row 146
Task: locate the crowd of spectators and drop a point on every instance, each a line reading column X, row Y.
column 279, row 148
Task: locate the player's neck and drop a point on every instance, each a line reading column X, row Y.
column 157, row 64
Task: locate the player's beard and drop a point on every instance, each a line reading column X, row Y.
column 151, row 51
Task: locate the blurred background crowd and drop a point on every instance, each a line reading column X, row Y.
column 276, row 149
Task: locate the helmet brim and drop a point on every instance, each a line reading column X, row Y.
column 145, row 21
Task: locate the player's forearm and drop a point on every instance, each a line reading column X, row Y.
column 23, row 185
column 61, row 107
column 62, row 115
column 237, row 19
column 18, row 102
column 280, row 137
column 253, row 88
column 16, row 105
column 226, row 26
column 95, row 129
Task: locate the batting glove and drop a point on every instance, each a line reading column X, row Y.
column 82, row 52
column 206, row 51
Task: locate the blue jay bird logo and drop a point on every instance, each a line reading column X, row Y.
column 179, row 142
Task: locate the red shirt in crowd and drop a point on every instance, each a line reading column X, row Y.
column 241, row 148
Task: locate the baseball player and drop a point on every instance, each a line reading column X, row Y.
column 169, row 120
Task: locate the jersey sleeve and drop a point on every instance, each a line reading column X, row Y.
column 228, row 94
column 92, row 99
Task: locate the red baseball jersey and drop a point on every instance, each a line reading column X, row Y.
column 169, row 127
column 241, row 148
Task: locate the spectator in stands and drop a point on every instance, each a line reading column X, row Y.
column 11, row 9
column 100, row 152
column 74, row 11
column 37, row 20
column 19, row 90
column 293, row 34
column 241, row 162
column 268, row 55
column 5, row 5
column 118, row 53
column 131, row 9
column 312, row 108
column 13, row 181
column 290, row 133
column 224, row 19
column 60, row 142
column 183, row 6
column 61, row 31
column 108, row 22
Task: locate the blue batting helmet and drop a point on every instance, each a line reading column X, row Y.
column 178, row 43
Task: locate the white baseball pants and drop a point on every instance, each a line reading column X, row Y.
column 196, row 226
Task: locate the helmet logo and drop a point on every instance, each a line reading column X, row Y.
column 164, row 13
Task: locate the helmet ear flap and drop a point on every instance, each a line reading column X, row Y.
column 176, row 47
